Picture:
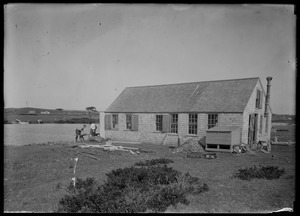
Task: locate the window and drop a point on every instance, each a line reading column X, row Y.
column 174, row 123
column 193, row 123
column 115, row 121
column 158, row 122
column 128, row 122
column 212, row 120
column 258, row 102
column 261, row 124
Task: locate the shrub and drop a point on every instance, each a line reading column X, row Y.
column 268, row 172
column 141, row 177
column 151, row 187
column 165, row 197
column 79, row 196
column 154, row 162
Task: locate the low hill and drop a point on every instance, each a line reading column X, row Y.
column 27, row 110
column 32, row 115
column 283, row 118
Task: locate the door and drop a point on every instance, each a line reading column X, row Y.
column 252, row 132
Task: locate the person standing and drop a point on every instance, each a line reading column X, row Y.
column 93, row 129
column 79, row 133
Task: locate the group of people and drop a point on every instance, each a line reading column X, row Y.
column 80, row 132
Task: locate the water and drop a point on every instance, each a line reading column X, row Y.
column 15, row 134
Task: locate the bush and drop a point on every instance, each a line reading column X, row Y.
column 268, row 172
column 154, row 162
column 79, row 196
column 151, row 186
column 165, row 197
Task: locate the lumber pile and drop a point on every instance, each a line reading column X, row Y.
column 108, row 146
column 191, row 145
column 97, row 139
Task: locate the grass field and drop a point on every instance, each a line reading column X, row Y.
column 284, row 133
column 32, row 173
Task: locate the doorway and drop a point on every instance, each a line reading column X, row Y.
column 252, row 131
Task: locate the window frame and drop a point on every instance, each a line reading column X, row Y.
column 114, row 121
column 128, row 121
column 174, row 123
column 193, row 123
column 159, row 123
column 211, row 122
column 258, row 100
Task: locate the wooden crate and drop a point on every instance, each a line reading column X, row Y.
column 222, row 138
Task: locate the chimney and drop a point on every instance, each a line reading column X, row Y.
column 268, row 96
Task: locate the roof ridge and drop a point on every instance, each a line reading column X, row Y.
column 192, row 82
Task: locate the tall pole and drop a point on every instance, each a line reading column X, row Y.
column 268, row 95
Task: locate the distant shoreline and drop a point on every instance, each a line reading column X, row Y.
column 62, row 143
column 36, row 115
column 54, row 123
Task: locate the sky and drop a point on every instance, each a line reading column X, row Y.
column 72, row 56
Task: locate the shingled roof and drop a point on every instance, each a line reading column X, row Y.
column 207, row 96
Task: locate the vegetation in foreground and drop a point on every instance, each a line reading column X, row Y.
column 267, row 172
column 152, row 186
column 32, row 173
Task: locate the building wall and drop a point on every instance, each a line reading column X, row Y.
column 147, row 128
column 250, row 109
column 232, row 119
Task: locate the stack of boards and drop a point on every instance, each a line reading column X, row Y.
column 109, row 147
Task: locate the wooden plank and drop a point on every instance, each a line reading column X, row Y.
column 88, row 155
column 219, row 134
column 219, row 138
column 217, row 150
column 135, row 122
column 126, row 142
column 116, row 149
column 144, row 151
column 130, row 148
column 218, row 141
column 164, row 140
column 166, row 123
column 91, row 146
column 108, row 147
